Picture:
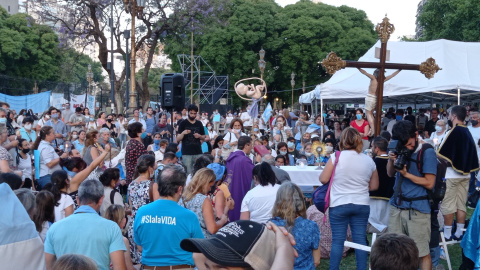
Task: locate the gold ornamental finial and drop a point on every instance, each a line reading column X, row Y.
column 385, row 29
column 429, row 68
column 333, row 63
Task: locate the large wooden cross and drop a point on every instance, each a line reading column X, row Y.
column 334, row 63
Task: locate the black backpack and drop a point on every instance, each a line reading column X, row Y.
column 437, row 194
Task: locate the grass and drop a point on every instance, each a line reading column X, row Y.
column 348, row 263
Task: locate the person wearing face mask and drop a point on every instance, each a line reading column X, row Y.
column 78, row 141
column 308, row 153
column 77, row 120
column 362, row 126
column 398, row 117
column 439, row 134
column 282, row 149
column 211, row 133
column 291, row 147
column 329, row 147
column 26, row 132
column 379, row 199
column 459, row 148
column 111, row 126
column 230, row 139
column 139, row 195
column 91, row 124
column 58, row 126
column 24, row 161
column 163, row 128
column 42, row 121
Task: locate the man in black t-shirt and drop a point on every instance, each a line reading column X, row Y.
column 191, row 134
column 379, row 199
column 430, row 126
column 410, row 117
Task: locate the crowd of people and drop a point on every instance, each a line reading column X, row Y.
column 163, row 191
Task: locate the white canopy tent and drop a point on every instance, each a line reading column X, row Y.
column 460, row 63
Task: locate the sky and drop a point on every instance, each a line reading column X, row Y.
column 401, row 13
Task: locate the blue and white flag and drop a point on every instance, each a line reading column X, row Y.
column 267, row 113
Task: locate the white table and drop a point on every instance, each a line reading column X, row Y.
column 306, row 177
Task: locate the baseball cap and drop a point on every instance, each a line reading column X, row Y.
column 314, row 136
column 242, row 243
column 218, row 169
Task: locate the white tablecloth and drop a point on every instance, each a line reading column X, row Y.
column 304, row 177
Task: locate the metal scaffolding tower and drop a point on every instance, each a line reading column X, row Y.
column 208, row 87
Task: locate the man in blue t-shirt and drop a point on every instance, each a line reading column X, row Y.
column 160, row 226
column 410, row 208
column 86, row 232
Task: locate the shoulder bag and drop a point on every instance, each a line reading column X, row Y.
column 321, row 196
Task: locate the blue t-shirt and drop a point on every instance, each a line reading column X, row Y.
column 87, row 233
column 159, row 227
column 410, row 189
column 307, row 236
column 311, row 160
column 204, row 144
column 78, row 146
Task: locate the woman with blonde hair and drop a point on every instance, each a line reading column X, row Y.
column 290, row 212
column 116, row 213
column 195, row 199
column 355, row 175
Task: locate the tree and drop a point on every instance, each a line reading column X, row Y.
column 74, row 66
column 295, row 38
column 27, row 49
column 451, row 19
column 86, row 21
column 154, row 77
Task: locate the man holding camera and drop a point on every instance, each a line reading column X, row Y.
column 459, row 149
column 410, row 207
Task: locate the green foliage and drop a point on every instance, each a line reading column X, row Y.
column 27, row 49
column 451, row 19
column 295, row 38
column 74, row 67
column 154, row 77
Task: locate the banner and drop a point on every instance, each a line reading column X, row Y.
column 37, row 102
column 79, row 100
column 57, row 100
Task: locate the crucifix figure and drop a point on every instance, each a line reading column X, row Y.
column 334, row 63
column 371, row 99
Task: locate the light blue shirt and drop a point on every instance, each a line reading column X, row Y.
column 411, row 190
column 29, row 136
column 159, row 227
column 79, row 146
column 87, row 233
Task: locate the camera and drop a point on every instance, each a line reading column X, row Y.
column 402, row 152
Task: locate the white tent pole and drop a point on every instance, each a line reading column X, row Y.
column 458, row 94
column 323, row 120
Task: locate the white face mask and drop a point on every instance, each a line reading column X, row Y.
column 74, row 136
column 162, row 150
column 308, row 154
column 283, row 153
column 209, row 128
column 28, row 126
column 237, row 130
column 329, row 149
column 438, row 128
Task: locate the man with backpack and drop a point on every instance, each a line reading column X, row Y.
column 410, row 205
column 459, row 149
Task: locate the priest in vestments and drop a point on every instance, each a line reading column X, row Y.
column 239, row 167
column 459, row 149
